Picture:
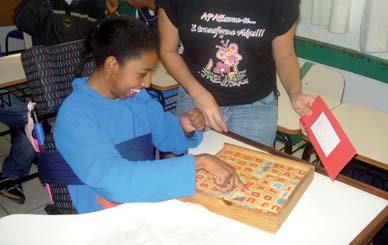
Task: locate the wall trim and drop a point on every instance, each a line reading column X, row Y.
column 342, row 58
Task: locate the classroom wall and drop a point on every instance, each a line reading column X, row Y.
column 6, row 11
column 321, row 33
column 359, row 89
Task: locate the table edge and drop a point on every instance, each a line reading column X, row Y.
column 372, row 228
column 12, row 83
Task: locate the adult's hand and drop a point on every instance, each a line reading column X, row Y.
column 211, row 111
column 302, row 103
column 112, row 6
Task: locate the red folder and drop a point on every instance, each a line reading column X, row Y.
column 328, row 138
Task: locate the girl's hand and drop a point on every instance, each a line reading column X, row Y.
column 225, row 176
column 192, row 120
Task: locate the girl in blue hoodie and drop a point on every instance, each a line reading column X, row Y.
column 106, row 128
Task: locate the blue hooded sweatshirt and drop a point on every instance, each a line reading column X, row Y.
column 89, row 126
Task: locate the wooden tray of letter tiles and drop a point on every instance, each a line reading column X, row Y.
column 275, row 183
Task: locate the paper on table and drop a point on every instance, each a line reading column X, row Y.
column 328, row 138
column 165, row 223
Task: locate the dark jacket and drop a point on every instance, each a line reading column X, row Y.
column 51, row 22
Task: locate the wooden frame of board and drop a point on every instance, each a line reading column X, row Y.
column 266, row 208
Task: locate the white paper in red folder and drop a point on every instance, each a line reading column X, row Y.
column 328, row 138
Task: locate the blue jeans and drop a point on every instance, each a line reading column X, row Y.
column 18, row 162
column 256, row 121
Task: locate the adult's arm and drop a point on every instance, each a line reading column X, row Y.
column 288, row 68
column 176, row 66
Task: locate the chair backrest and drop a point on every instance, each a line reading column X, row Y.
column 12, row 34
column 324, row 81
column 50, row 72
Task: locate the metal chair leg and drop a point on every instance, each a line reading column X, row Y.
column 286, row 139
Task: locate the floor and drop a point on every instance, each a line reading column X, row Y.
column 36, row 196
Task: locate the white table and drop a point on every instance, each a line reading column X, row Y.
column 328, row 213
column 11, row 71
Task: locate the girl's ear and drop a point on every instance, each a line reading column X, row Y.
column 111, row 66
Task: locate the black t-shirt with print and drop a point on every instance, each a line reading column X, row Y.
column 227, row 44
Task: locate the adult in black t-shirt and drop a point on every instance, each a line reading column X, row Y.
column 232, row 50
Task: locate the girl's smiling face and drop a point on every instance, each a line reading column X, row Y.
column 127, row 79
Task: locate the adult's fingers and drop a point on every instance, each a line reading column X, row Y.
column 220, row 122
column 213, row 124
column 217, row 123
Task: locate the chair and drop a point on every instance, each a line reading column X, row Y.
column 319, row 80
column 324, row 81
column 164, row 88
column 12, row 34
column 50, row 72
column 167, row 98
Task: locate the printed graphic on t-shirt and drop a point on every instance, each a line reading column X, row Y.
column 225, row 70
